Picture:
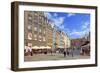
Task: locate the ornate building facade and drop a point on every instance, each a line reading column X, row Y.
column 35, row 28
column 39, row 33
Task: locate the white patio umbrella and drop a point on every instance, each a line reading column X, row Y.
column 48, row 47
column 42, row 47
column 35, row 47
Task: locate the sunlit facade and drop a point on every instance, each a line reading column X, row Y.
column 39, row 32
column 35, row 29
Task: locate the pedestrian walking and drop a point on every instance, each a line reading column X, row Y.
column 30, row 50
column 51, row 52
column 64, row 53
column 67, row 51
column 72, row 50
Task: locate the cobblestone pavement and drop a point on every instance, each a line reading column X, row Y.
column 45, row 57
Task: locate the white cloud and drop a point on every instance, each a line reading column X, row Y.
column 70, row 14
column 62, row 27
column 75, row 32
column 85, row 25
column 84, row 29
column 58, row 21
column 79, row 33
column 47, row 14
column 67, row 30
column 55, row 14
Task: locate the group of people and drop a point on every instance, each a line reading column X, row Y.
column 28, row 51
column 68, row 52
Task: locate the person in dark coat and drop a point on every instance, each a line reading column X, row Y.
column 67, row 51
column 72, row 52
column 64, row 53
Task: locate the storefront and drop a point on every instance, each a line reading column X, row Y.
column 85, row 50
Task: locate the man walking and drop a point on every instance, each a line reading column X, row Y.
column 64, row 53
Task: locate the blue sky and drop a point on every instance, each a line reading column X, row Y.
column 76, row 25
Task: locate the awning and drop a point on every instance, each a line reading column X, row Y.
column 86, row 45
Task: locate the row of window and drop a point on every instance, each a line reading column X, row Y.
column 30, row 25
column 35, row 37
column 39, row 18
column 36, row 29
